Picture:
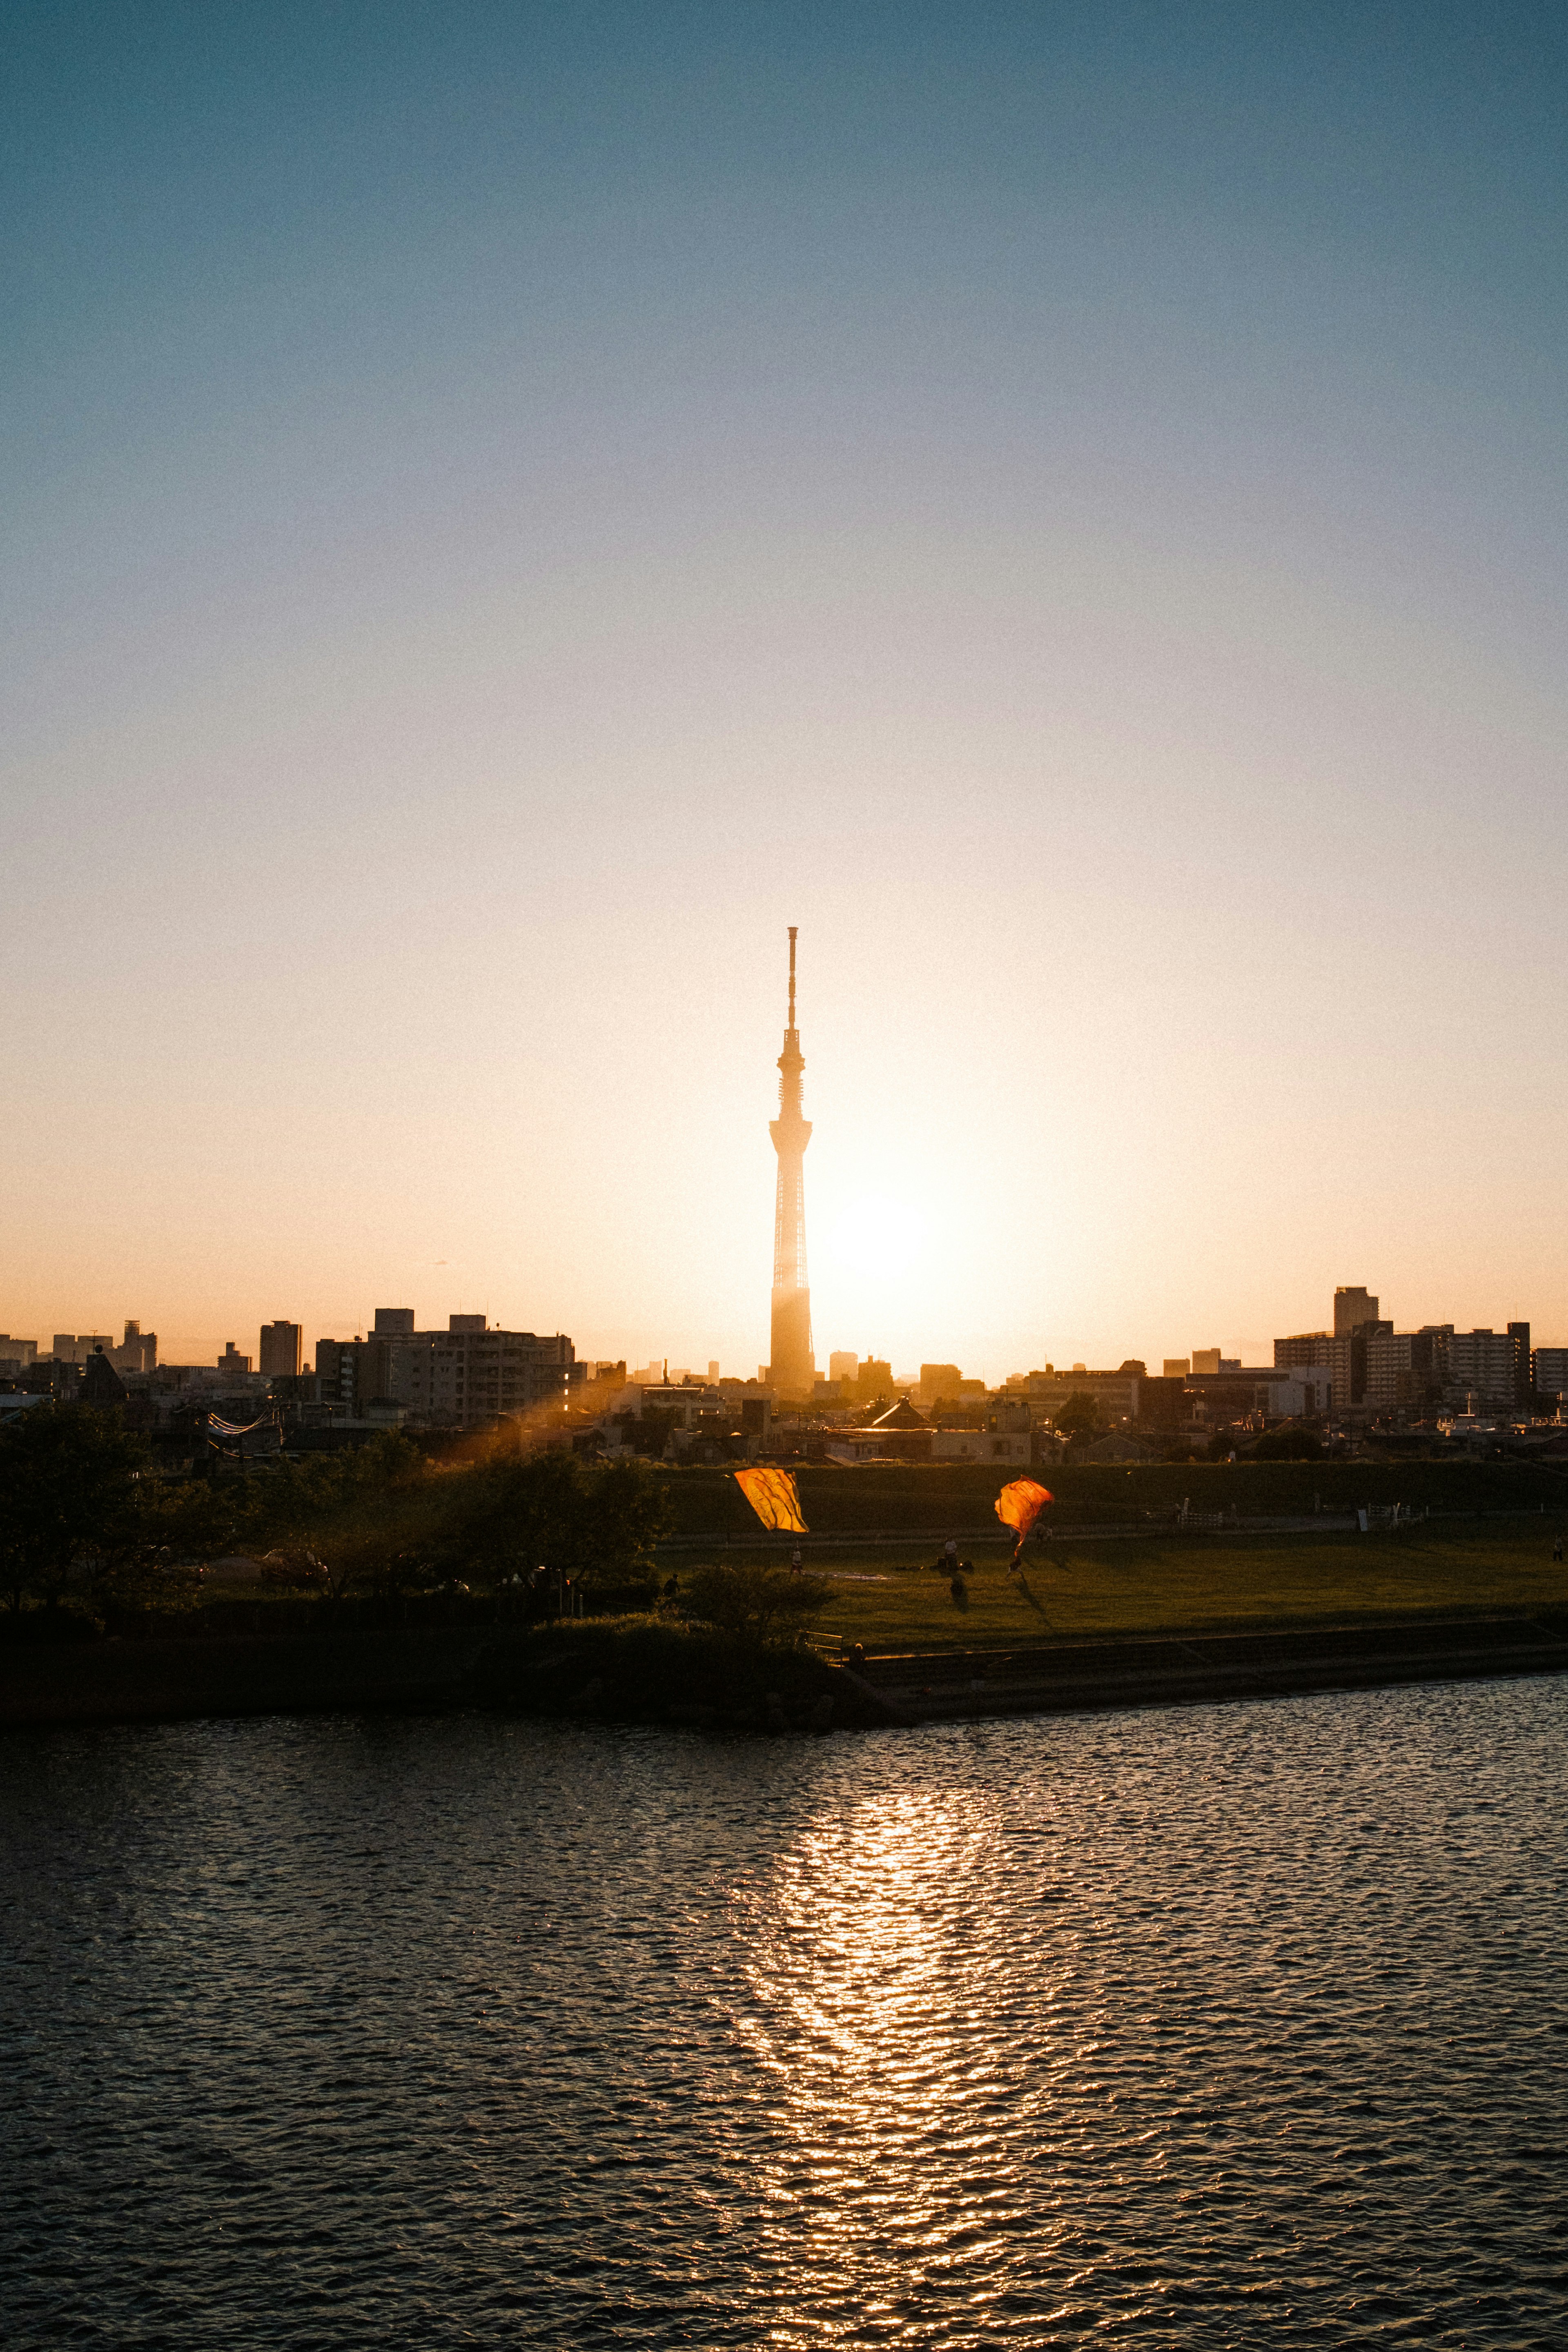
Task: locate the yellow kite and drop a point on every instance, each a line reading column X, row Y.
column 772, row 1495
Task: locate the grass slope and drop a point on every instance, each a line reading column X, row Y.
column 1143, row 1585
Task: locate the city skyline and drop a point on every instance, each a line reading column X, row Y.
column 504, row 518
column 1346, row 1303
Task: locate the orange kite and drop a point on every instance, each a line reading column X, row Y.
column 772, row 1495
column 1019, row 1505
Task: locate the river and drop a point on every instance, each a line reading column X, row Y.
column 1232, row 2026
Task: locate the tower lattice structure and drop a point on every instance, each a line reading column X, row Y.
column 791, row 1366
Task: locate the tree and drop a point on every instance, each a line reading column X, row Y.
column 364, row 1517
column 68, row 1480
column 595, row 1522
column 383, row 1519
column 1079, row 1418
column 147, row 1556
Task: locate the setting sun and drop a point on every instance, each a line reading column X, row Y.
column 877, row 1235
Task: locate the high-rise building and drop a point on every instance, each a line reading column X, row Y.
column 1481, row 1364
column 1343, row 1350
column 281, row 1356
column 843, row 1364
column 469, row 1374
column 1352, row 1308
column 232, row 1362
column 792, row 1368
column 1301, row 1350
column 1519, row 1333
column 137, row 1352
column 393, row 1322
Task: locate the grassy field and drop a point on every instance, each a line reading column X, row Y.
column 940, row 1498
column 1142, row 1585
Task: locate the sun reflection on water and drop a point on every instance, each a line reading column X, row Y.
column 873, row 1975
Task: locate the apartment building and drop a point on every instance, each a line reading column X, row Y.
column 467, row 1375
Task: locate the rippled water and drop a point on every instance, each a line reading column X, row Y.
column 1232, row 2026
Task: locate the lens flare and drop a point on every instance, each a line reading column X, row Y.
column 878, row 1235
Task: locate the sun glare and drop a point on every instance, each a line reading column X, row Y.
column 878, row 1235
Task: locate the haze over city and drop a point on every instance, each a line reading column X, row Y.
column 506, row 514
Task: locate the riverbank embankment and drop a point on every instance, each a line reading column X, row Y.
column 410, row 1670
column 1158, row 1670
column 605, row 1672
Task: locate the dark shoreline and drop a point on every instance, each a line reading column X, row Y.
column 1167, row 1669
column 432, row 1670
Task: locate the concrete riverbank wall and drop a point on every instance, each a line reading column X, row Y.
column 263, row 1674
column 426, row 1670
column 1157, row 1670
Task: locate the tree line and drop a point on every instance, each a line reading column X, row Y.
column 85, row 1519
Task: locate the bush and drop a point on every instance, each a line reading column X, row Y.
column 65, row 1623
column 655, row 1669
column 1288, row 1445
column 753, row 1601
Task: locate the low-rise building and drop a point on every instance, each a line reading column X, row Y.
column 1116, row 1395
column 1006, row 1447
column 899, row 1434
column 1252, row 1391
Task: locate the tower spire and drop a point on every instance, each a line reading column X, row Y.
column 791, row 1367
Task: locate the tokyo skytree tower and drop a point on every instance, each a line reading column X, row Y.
column 791, row 1368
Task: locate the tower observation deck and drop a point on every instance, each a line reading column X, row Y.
column 791, row 1367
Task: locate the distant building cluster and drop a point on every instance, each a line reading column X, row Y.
column 1356, row 1375
column 466, row 1376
